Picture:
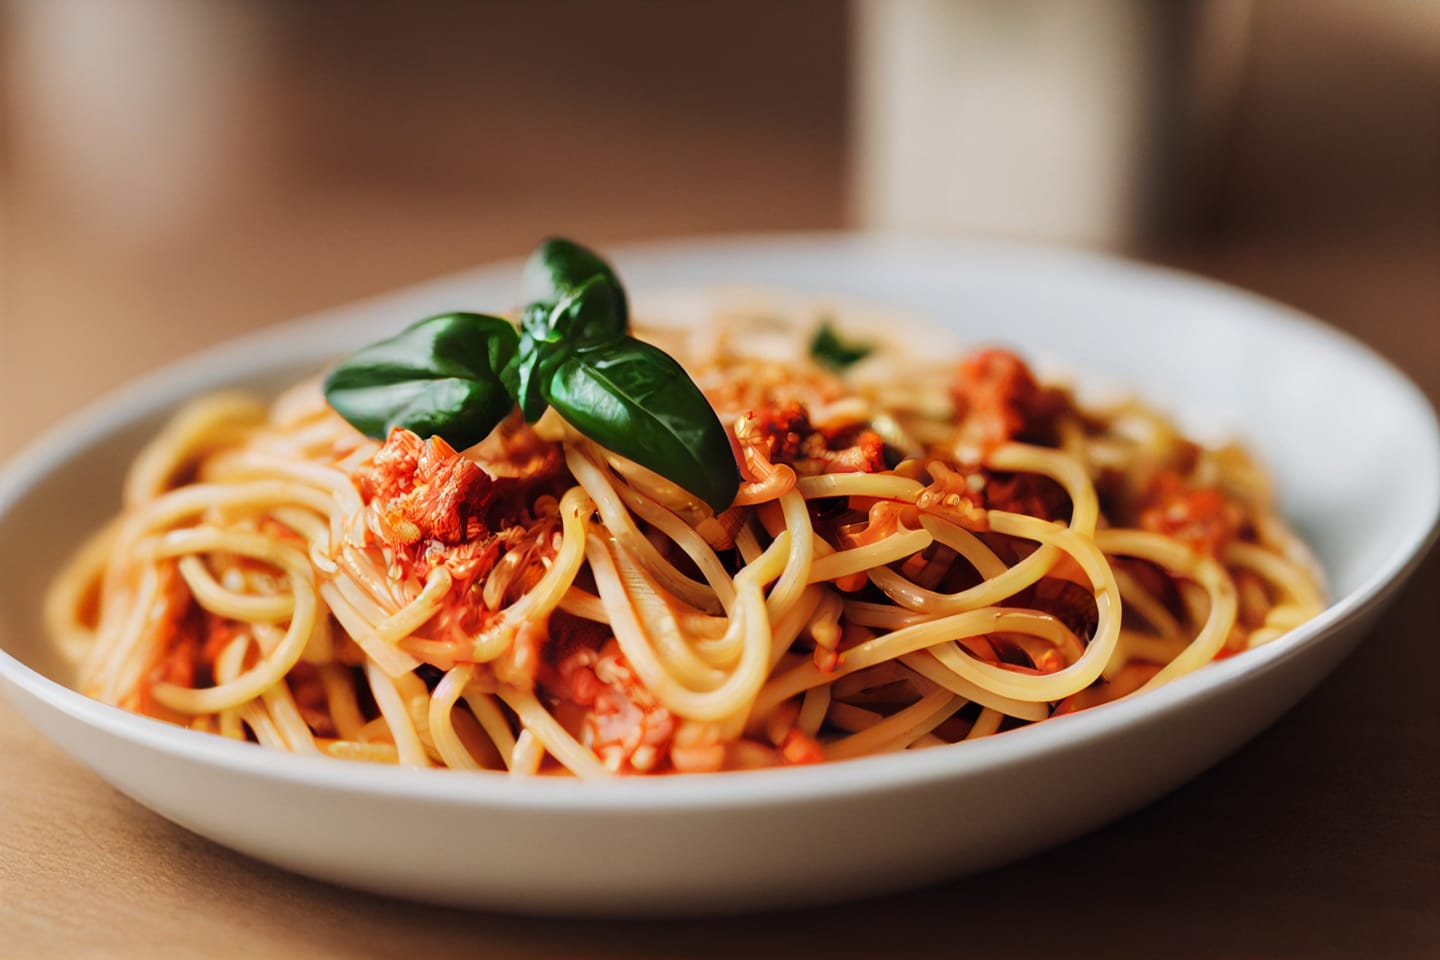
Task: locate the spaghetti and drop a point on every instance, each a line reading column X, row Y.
column 909, row 562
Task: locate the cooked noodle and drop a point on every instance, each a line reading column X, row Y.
column 911, row 561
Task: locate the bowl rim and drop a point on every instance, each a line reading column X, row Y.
column 253, row 353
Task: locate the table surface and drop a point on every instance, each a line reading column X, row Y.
column 1319, row 838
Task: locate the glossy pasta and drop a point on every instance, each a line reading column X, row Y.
column 917, row 555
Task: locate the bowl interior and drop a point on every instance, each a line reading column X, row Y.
column 1323, row 413
column 1352, row 446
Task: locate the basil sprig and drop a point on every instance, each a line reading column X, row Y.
column 634, row 399
column 555, row 277
column 829, row 350
column 441, row 376
column 460, row 374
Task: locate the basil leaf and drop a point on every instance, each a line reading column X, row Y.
column 560, row 266
column 829, row 350
column 525, row 372
column 576, row 301
column 637, row 401
column 460, row 374
column 440, row 377
column 585, row 300
column 538, row 322
column 581, row 317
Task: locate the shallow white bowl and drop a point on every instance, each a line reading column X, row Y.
column 1326, row 414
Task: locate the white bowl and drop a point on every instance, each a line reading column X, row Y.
column 1325, row 413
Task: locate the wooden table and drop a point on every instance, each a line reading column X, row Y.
column 1320, row 838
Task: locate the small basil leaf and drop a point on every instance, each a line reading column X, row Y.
column 637, row 401
column 829, row 350
column 524, row 373
column 582, row 316
column 537, row 321
column 589, row 314
column 440, row 377
column 561, row 266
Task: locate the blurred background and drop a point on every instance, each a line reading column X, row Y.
column 176, row 171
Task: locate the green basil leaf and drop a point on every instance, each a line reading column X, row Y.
column 829, row 350
column 575, row 300
column 583, row 316
column 537, row 321
column 440, row 377
column 581, row 297
column 637, row 401
column 560, row 266
column 526, row 371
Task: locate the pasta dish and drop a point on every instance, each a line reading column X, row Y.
column 546, row 544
